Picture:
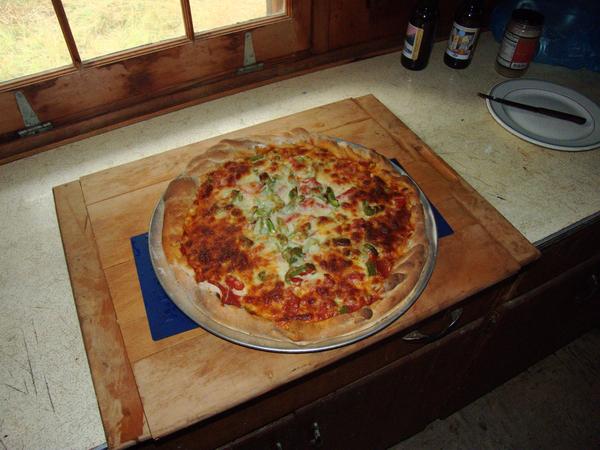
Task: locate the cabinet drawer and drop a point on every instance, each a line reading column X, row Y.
column 573, row 303
column 560, row 257
column 551, row 315
column 391, row 403
column 279, row 435
column 524, row 330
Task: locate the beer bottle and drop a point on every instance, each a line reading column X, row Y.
column 419, row 35
column 463, row 36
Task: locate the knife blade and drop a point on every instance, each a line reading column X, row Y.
column 537, row 109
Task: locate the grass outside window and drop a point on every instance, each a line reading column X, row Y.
column 32, row 42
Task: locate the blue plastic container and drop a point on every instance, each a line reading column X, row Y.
column 571, row 33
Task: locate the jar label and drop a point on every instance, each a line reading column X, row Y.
column 412, row 41
column 461, row 42
column 516, row 52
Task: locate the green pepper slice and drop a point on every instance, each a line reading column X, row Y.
column 282, row 238
column 330, row 197
column 371, row 210
column 236, row 196
column 292, row 254
column 271, row 226
column 371, row 268
column 370, row 249
column 300, row 270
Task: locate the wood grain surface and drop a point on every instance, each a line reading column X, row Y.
column 194, row 375
column 165, row 166
column 120, row 406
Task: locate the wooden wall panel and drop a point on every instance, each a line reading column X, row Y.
column 320, row 26
column 284, row 38
column 356, row 21
column 349, row 23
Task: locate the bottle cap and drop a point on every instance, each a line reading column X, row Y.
column 528, row 17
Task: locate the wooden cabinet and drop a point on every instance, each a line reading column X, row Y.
column 553, row 301
column 525, row 329
column 279, row 435
column 378, row 409
column 391, row 403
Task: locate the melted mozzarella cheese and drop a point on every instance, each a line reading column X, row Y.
column 296, row 212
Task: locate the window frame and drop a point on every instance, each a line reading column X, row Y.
column 124, row 87
column 77, row 64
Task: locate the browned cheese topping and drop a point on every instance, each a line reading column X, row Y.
column 298, row 233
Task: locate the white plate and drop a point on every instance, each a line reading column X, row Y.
column 542, row 130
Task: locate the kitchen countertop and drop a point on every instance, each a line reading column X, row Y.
column 46, row 395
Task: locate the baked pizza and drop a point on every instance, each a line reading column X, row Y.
column 295, row 237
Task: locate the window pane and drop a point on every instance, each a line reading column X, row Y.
column 30, row 39
column 209, row 14
column 101, row 27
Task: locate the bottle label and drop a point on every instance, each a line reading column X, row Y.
column 412, row 42
column 461, row 42
column 516, row 52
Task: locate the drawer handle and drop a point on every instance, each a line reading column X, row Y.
column 417, row 336
column 316, row 441
column 591, row 289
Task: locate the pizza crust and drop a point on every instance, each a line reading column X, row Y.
column 180, row 196
column 178, row 199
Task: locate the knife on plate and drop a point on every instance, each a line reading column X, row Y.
column 537, row 109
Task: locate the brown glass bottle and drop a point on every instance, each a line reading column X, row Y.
column 464, row 34
column 419, row 35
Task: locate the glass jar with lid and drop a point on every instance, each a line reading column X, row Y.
column 520, row 42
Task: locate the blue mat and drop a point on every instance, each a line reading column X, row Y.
column 164, row 317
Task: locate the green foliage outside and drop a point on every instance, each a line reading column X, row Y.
column 31, row 40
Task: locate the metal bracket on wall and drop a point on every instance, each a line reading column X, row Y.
column 250, row 64
column 33, row 125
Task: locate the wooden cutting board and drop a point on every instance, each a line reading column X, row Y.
column 150, row 389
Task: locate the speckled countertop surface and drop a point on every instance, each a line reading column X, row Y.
column 46, row 394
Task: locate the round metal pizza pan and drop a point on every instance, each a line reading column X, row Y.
column 181, row 296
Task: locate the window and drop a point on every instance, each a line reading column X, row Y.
column 211, row 14
column 109, row 26
column 85, row 66
column 32, row 41
column 119, row 59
